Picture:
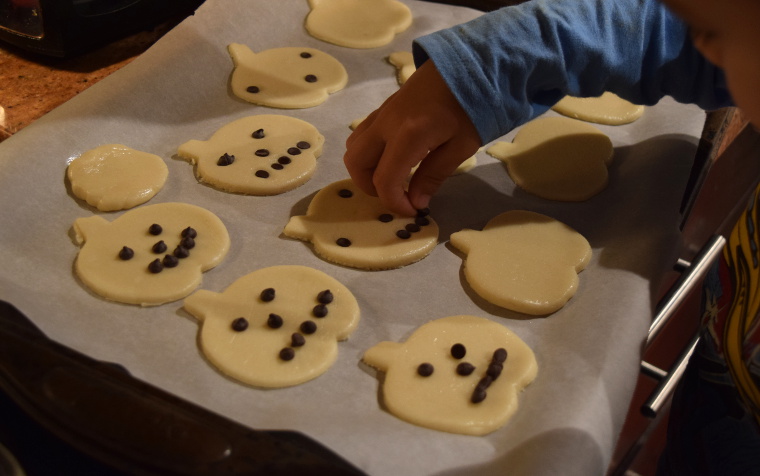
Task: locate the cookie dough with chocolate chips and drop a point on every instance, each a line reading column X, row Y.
column 115, row 177
column 149, row 255
column 348, row 227
column 459, row 374
column 275, row 327
column 286, row 78
column 265, row 154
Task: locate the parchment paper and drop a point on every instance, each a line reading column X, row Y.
column 588, row 352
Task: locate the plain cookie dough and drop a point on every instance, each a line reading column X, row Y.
column 557, row 158
column 449, row 375
column 348, row 227
column 286, row 78
column 607, row 109
column 404, row 63
column 524, row 261
column 357, row 23
column 275, row 327
column 256, row 155
column 148, row 256
column 115, row 177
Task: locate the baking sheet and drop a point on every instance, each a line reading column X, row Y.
column 588, row 352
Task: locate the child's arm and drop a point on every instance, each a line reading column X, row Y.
column 509, row 66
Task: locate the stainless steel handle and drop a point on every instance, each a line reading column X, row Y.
column 692, row 275
column 675, row 296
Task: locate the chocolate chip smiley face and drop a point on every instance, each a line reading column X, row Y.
column 275, row 327
column 287, row 78
column 460, row 374
column 150, row 255
column 348, row 227
column 256, row 155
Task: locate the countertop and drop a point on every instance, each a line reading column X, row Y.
column 32, row 85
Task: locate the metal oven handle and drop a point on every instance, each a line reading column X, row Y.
column 693, row 274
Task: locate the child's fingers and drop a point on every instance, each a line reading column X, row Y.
column 439, row 165
column 363, row 153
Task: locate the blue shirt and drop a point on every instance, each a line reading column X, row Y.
column 511, row 65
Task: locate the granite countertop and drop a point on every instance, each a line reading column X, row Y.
column 32, row 85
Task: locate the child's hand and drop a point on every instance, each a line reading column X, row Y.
column 421, row 123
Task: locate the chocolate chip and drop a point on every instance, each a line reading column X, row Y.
column 320, row 310
column 499, row 355
column 305, row 54
column 225, row 160
column 189, row 231
column 423, row 212
column 343, row 242
column 403, row 234
column 258, row 134
column 155, row 266
column 297, row 340
column 425, row 369
column 126, row 253
column 155, row 229
column 287, row 353
column 170, row 261
column 159, row 247
column 385, row 218
column 465, row 368
column 294, row 151
column 240, row 324
column 325, row 297
column 252, row 89
column 494, row 370
column 345, row 193
column 181, row 252
column 277, row 166
column 187, row 243
column 284, row 160
column 303, row 144
column 478, row 395
column 412, row 228
column 262, row 174
column 274, row 321
column 262, row 153
column 310, row 78
column 267, row 295
column 308, row 327
column 421, row 221
column 484, row 382
column 458, row 351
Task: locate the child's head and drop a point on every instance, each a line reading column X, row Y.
column 728, row 34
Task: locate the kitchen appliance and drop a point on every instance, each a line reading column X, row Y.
column 63, row 28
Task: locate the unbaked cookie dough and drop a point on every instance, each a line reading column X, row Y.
column 115, row 177
column 608, row 109
column 149, row 255
column 275, row 327
column 459, row 374
column 256, row 155
column 286, row 78
column 524, row 261
column 348, row 227
column 557, row 158
column 404, row 63
column 357, row 23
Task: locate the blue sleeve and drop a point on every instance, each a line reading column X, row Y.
column 511, row 65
